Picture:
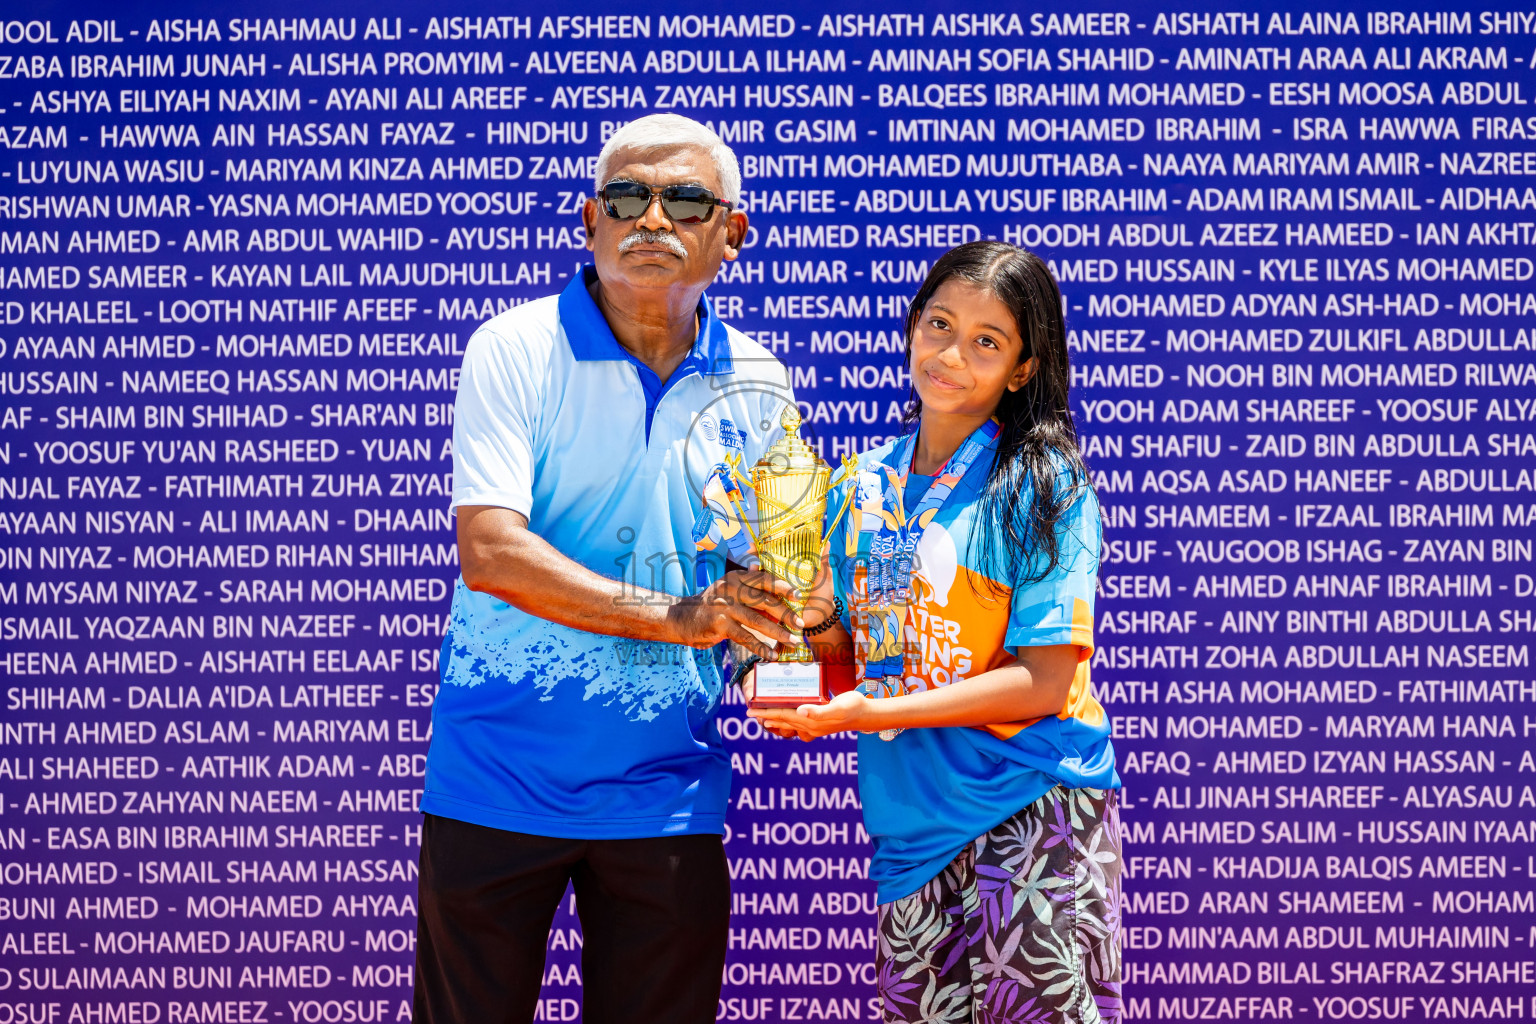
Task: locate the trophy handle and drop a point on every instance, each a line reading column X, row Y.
column 734, row 461
column 850, row 463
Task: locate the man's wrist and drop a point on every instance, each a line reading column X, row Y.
column 667, row 612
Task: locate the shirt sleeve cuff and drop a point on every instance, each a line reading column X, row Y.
column 519, row 503
column 1047, row 636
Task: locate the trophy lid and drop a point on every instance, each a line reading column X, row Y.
column 790, row 452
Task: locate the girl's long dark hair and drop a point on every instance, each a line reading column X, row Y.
column 1038, row 473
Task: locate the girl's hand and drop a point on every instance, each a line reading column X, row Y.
column 844, row 713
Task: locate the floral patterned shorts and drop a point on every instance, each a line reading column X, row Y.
column 1023, row 925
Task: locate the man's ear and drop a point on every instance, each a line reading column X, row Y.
column 735, row 234
column 589, row 221
column 1021, row 375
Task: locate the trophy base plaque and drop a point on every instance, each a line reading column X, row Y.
column 786, row 684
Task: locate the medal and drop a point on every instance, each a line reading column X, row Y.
column 880, row 629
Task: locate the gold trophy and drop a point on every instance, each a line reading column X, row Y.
column 790, row 482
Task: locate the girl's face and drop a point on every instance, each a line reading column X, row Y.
column 967, row 351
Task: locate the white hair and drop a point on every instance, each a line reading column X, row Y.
column 656, row 132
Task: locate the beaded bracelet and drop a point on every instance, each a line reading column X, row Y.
column 828, row 622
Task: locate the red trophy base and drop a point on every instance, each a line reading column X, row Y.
column 787, row 684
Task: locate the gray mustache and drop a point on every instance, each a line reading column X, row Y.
column 644, row 236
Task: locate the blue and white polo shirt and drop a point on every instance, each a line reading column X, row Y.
column 549, row 730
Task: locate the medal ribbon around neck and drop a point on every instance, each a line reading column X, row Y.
column 882, row 672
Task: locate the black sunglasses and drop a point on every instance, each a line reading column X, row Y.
column 683, row 204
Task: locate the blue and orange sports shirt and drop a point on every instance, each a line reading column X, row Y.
column 930, row 792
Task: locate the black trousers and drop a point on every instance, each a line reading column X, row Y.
column 654, row 918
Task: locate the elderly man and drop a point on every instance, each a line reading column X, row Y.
column 574, row 736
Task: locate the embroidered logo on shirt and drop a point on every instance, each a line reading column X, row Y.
column 729, row 435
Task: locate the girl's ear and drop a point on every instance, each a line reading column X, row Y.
column 1025, row 371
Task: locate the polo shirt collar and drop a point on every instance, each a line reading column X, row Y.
column 591, row 338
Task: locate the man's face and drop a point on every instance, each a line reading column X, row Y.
column 651, row 251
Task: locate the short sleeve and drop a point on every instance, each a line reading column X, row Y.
column 1059, row 608
column 494, row 421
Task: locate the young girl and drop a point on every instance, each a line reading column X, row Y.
column 960, row 593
